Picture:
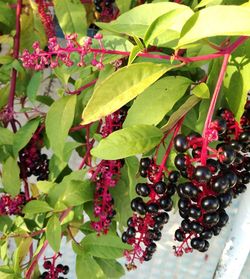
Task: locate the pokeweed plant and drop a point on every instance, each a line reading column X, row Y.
column 150, row 100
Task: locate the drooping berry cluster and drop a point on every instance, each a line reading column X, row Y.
column 46, row 18
column 40, row 59
column 52, row 271
column 209, row 188
column 32, row 161
column 144, row 227
column 12, row 206
column 106, row 175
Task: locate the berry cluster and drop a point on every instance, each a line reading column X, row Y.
column 46, row 18
column 52, row 271
column 209, row 188
column 144, row 227
column 12, row 206
column 32, row 161
column 106, row 175
column 106, row 10
column 40, row 59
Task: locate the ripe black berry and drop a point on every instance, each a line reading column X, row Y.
column 131, row 232
column 183, row 204
column 142, row 189
column 220, row 184
column 152, row 247
column 181, row 143
column 47, row 264
column 196, row 227
column 210, row 204
column 162, row 217
column 188, row 190
column 166, row 203
column 179, row 235
column 180, row 161
column 145, row 163
column 174, row 176
column 152, row 208
column 160, row 187
column 143, row 172
column 202, row 174
column 207, row 234
column 223, row 219
column 65, row 270
column 197, row 243
column 194, row 212
column 211, row 219
column 125, row 237
column 226, row 154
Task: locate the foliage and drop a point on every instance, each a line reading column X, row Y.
column 103, row 101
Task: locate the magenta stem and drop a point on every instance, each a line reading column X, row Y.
column 32, row 267
column 226, row 55
column 10, row 107
column 79, row 90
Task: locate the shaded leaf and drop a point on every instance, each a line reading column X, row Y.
column 53, row 233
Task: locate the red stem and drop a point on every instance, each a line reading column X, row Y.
column 15, row 55
column 43, row 248
column 227, row 54
column 79, row 90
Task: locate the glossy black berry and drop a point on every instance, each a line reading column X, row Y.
column 152, row 208
column 226, row 154
column 194, row 212
column 166, row 203
column 65, row 270
column 185, row 224
column 188, row 190
column 231, row 178
column 142, row 189
column 225, row 199
column 213, row 165
column 98, row 8
column 205, row 248
column 158, row 226
column 211, row 219
column 131, row 232
column 223, row 219
column 157, row 235
column 179, row 235
column 59, row 268
column 143, row 172
column 160, row 187
column 197, row 243
column 216, row 230
column 180, row 161
column 145, row 163
column 221, row 125
column 174, row 176
column 207, row 234
column 147, row 257
column 244, row 137
column 196, row 227
column 151, row 247
column 162, row 217
column 138, row 205
column 236, row 145
column 180, row 143
column 183, row 204
column 130, row 221
column 125, row 237
column 240, row 188
column 210, row 204
column 202, row 174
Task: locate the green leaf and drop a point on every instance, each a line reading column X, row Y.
column 4, row 95
column 7, row 274
column 71, row 16
column 6, row 59
column 234, row 22
column 158, row 100
column 33, row 86
column 6, row 136
column 136, row 49
column 36, row 206
column 45, row 186
column 24, row 134
column 201, row 91
column 166, row 29
column 87, row 268
column 104, row 246
column 132, row 164
column 204, row 3
column 136, row 21
column 58, row 122
column 68, row 148
column 53, row 233
column 182, row 110
column 111, row 268
column 21, row 252
column 237, row 80
column 123, row 6
column 121, row 87
column 11, row 180
column 71, row 193
column 7, row 15
column 128, row 142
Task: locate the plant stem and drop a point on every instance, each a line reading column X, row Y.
column 227, row 54
column 10, row 107
column 43, row 248
column 79, row 90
